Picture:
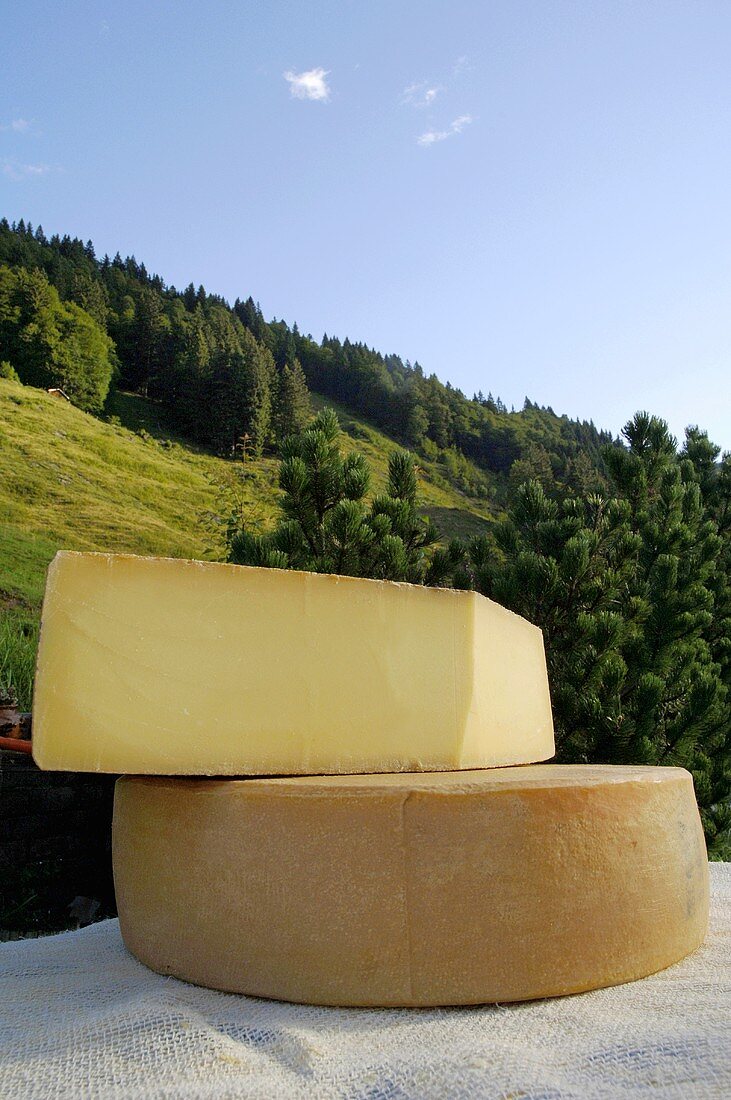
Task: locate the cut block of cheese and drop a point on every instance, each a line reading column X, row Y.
column 450, row 888
column 161, row 666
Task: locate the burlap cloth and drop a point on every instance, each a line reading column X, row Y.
column 79, row 1017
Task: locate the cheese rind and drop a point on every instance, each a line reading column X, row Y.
column 163, row 666
column 449, row 888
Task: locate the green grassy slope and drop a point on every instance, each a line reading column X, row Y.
column 68, row 480
column 453, row 512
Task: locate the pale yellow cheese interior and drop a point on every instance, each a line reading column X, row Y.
column 449, row 888
column 177, row 667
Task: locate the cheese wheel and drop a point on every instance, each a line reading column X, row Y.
column 450, row 888
column 164, row 667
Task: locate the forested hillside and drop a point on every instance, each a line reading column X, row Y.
column 619, row 550
column 227, row 378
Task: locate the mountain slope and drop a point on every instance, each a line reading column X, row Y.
column 220, row 371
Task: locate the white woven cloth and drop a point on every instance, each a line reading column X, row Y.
column 79, row 1017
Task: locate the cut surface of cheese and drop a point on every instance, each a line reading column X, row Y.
column 450, row 888
column 162, row 666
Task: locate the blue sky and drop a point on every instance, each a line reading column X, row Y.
column 528, row 198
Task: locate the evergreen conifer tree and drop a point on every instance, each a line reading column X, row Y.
column 240, row 403
column 632, row 596
column 327, row 526
column 293, row 408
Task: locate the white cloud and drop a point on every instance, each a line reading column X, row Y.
column 461, row 65
column 18, row 125
column 431, row 137
column 309, row 85
column 14, row 170
column 421, row 94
